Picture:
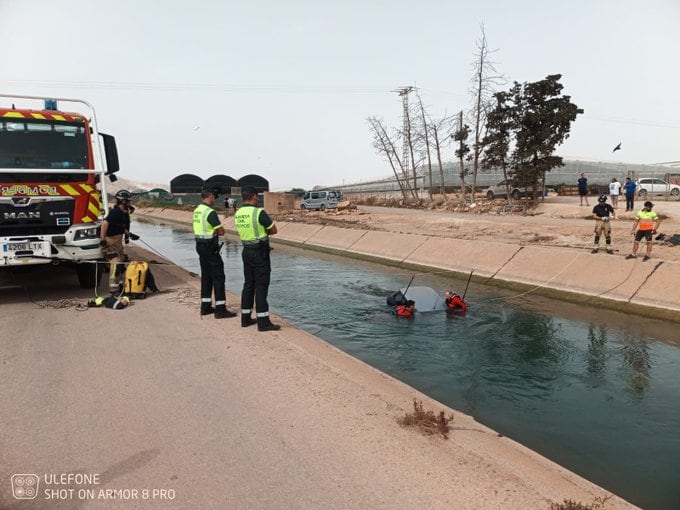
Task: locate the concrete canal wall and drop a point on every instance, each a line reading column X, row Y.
column 645, row 288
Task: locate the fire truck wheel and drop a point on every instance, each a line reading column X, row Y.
column 89, row 275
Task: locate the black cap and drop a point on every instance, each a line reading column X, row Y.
column 249, row 189
column 648, row 204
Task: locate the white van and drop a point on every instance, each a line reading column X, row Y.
column 321, row 200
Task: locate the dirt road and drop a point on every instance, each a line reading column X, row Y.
column 559, row 222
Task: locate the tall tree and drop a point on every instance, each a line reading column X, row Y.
column 439, row 129
column 384, row 145
column 498, row 136
column 461, row 135
column 409, row 137
column 424, row 119
column 542, row 120
column 484, row 83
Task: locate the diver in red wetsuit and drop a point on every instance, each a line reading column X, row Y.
column 454, row 302
column 406, row 310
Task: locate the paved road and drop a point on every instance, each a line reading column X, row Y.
column 204, row 414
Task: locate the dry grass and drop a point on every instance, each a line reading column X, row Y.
column 570, row 504
column 427, row 422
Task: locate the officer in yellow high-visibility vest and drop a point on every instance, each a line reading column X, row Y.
column 207, row 228
column 254, row 227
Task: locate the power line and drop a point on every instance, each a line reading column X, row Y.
column 620, row 120
column 171, row 87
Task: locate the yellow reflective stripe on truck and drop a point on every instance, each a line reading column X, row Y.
column 69, row 189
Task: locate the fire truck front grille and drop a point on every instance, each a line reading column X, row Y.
column 30, row 230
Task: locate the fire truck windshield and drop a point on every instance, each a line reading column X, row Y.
column 41, row 144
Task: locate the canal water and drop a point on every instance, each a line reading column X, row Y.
column 596, row 391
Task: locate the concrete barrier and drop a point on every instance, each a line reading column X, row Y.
column 336, row 238
column 297, row 232
column 388, row 245
column 463, row 256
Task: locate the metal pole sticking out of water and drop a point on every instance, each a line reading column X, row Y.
column 409, row 284
column 467, row 285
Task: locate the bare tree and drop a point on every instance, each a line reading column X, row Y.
column 440, row 134
column 425, row 132
column 409, row 137
column 384, row 145
column 484, row 82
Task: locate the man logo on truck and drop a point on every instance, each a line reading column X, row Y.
column 22, row 216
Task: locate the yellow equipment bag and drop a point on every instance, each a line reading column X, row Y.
column 138, row 278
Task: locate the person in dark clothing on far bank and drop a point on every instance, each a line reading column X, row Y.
column 254, row 227
column 583, row 189
column 629, row 189
column 207, row 228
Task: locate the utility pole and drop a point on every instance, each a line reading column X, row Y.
column 404, row 92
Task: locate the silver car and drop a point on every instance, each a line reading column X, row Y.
column 500, row 190
column 655, row 186
column 321, row 200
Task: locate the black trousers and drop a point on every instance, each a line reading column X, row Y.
column 256, row 273
column 630, row 201
column 212, row 272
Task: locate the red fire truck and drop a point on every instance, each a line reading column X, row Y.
column 53, row 171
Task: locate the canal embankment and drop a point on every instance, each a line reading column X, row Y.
column 608, row 281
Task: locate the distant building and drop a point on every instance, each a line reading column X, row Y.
column 599, row 173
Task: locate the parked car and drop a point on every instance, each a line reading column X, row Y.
column 500, row 190
column 654, row 186
column 319, row 200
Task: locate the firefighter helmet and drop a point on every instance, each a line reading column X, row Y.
column 603, row 198
column 123, row 195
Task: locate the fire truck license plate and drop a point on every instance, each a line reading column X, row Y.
column 34, row 246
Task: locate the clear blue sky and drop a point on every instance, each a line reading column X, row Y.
column 283, row 89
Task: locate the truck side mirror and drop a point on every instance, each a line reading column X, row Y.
column 111, row 155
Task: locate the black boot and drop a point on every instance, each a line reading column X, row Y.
column 264, row 324
column 207, row 309
column 221, row 312
column 247, row 320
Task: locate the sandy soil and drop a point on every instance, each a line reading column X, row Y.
column 559, row 221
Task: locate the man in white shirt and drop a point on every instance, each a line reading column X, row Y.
column 614, row 190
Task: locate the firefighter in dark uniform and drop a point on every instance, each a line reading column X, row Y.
column 207, row 228
column 254, row 227
column 114, row 227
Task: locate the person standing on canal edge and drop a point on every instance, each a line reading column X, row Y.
column 646, row 221
column 583, row 189
column 207, row 228
column 254, row 226
column 629, row 188
column 601, row 213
